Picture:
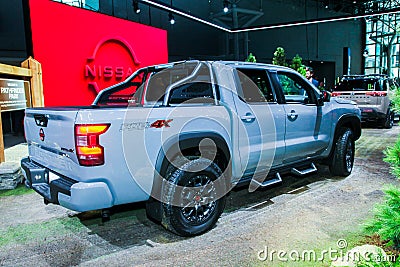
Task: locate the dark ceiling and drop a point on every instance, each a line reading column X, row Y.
column 245, row 14
column 360, row 6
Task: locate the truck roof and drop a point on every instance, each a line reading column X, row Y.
column 242, row 63
column 228, row 63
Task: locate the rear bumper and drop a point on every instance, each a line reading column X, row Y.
column 61, row 190
column 371, row 114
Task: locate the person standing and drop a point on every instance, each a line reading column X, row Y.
column 310, row 76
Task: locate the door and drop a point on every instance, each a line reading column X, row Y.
column 304, row 135
column 261, row 131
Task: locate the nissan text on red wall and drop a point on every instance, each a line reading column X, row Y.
column 82, row 52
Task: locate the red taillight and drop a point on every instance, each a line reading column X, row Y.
column 336, row 94
column 88, row 148
column 376, row 93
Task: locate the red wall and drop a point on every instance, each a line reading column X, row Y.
column 82, row 51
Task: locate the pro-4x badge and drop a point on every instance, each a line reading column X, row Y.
column 41, row 134
column 161, row 123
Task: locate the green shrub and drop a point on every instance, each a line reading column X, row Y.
column 279, row 57
column 251, row 58
column 392, row 156
column 386, row 221
column 395, row 98
column 298, row 66
column 371, row 263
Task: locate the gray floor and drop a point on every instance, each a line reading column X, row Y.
column 11, row 140
column 16, row 152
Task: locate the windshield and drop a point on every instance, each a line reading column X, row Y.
column 359, row 85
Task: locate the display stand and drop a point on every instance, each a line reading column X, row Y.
column 31, row 73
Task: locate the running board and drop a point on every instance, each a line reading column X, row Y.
column 304, row 172
column 270, row 182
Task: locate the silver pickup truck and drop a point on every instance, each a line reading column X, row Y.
column 180, row 136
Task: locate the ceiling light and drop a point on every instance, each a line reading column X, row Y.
column 273, row 26
column 226, row 6
column 171, row 18
column 183, row 14
column 136, row 7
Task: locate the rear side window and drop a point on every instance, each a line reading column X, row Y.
column 255, row 86
column 123, row 94
column 156, row 87
column 195, row 92
column 188, row 82
column 195, row 88
column 159, row 82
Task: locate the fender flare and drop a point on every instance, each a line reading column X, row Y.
column 172, row 147
column 350, row 121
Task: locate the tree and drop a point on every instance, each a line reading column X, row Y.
column 279, row 57
column 251, row 58
column 298, row 66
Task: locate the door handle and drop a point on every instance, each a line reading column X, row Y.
column 41, row 120
column 292, row 116
column 248, row 117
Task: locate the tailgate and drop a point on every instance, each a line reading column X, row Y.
column 50, row 136
column 361, row 98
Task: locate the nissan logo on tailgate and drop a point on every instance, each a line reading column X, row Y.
column 41, row 134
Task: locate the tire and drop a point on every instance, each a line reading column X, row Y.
column 389, row 120
column 343, row 156
column 199, row 209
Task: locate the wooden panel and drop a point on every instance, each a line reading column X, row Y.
column 36, row 81
column 16, row 71
column 2, row 156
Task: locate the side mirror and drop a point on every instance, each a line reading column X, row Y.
column 325, row 96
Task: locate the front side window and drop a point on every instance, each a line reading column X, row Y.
column 295, row 89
